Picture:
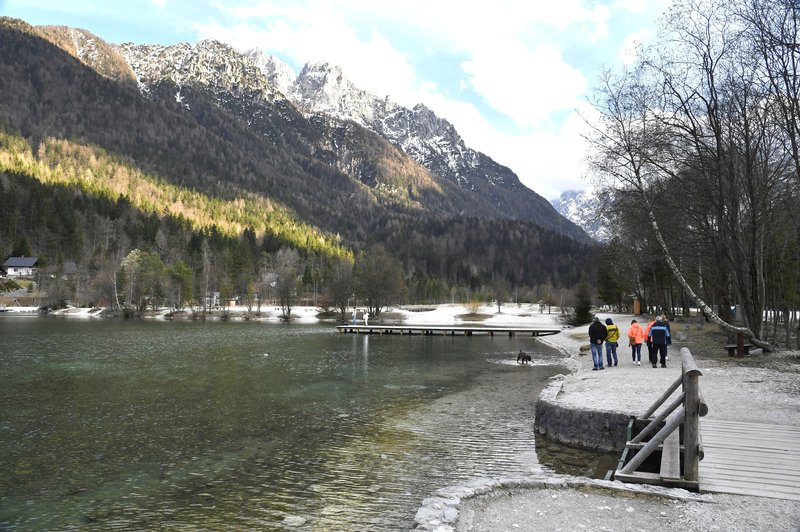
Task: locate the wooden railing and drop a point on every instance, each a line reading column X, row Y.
column 665, row 433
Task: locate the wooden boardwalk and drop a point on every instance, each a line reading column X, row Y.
column 750, row 459
column 736, row 457
column 450, row 330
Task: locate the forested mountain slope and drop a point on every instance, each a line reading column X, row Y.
column 332, row 176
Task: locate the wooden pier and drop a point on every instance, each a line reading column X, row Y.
column 444, row 330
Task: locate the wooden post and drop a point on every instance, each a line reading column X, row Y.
column 739, row 344
column 691, row 428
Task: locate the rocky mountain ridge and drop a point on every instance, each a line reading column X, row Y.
column 584, row 210
column 430, row 140
column 322, row 89
column 315, row 110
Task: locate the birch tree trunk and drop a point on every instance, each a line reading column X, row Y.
column 702, row 305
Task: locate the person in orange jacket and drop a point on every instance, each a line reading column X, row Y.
column 635, row 338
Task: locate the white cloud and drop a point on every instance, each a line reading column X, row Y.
column 636, row 6
column 508, row 57
column 548, row 160
column 372, row 63
column 160, row 4
column 526, row 85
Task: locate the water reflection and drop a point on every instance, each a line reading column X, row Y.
column 573, row 461
column 136, row 425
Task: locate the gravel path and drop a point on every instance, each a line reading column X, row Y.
column 594, row 508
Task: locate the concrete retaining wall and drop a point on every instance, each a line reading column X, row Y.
column 571, row 425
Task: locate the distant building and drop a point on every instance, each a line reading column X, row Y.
column 21, row 266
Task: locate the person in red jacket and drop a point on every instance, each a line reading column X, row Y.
column 635, row 339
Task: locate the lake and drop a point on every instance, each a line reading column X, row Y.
column 111, row 424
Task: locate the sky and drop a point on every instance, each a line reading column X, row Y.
column 512, row 76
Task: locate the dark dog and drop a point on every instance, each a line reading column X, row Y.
column 523, row 357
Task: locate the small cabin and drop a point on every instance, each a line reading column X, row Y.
column 21, row 266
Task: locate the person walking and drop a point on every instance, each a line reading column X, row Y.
column 660, row 338
column 612, row 341
column 597, row 335
column 651, row 352
column 366, row 318
column 635, row 339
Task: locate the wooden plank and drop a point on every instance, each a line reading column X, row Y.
column 748, row 458
column 744, row 425
column 727, row 434
column 788, row 482
column 754, row 451
column 754, row 443
column 774, row 440
column 754, row 433
column 748, row 489
column 763, row 454
column 720, row 484
column 443, row 329
column 671, row 457
column 639, row 477
column 714, row 424
column 714, row 428
column 760, row 477
column 746, row 464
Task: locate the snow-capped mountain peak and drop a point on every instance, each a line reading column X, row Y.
column 264, row 92
column 278, row 73
column 323, row 88
column 210, row 63
column 583, row 208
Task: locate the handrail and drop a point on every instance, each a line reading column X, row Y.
column 673, row 422
column 664, row 397
column 654, row 424
column 672, row 417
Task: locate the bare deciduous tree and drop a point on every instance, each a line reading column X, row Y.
column 690, row 131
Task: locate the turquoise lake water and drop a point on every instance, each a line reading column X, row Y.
column 109, row 424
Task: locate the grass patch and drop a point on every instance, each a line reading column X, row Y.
column 419, row 308
column 473, row 317
column 7, row 285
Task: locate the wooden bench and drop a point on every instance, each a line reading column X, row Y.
column 732, row 349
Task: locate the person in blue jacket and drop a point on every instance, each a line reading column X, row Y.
column 660, row 338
